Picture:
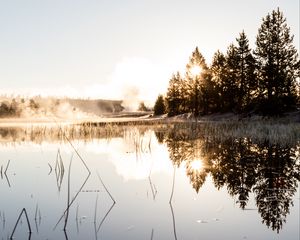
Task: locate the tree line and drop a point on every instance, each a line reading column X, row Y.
column 15, row 107
column 264, row 80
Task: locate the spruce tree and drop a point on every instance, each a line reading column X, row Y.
column 278, row 64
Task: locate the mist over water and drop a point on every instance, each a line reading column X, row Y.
column 43, row 108
column 132, row 80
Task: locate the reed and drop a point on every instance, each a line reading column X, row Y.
column 73, row 199
column 152, row 234
column 273, row 130
column 111, row 207
column 36, row 212
column 95, row 218
column 106, row 189
column 59, row 170
column 170, row 203
column 105, row 216
column 68, row 198
column 173, row 221
column 173, row 185
column 28, row 223
column 96, row 207
column 76, row 218
column 36, row 218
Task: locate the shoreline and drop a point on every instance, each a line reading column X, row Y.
column 146, row 118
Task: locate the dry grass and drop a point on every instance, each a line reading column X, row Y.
column 258, row 131
column 274, row 131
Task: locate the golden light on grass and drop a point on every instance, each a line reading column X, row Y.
column 197, row 165
column 196, row 70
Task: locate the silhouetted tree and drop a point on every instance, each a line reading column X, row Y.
column 4, row 109
column 142, row 107
column 278, row 64
column 219, row 74
column 175, row 99
column 199, row 82
column 245, row 73
column 230, row 85
column 33, row 104
column 159, row 106
column 10, row 109
column 14, row 108
column 239, row 81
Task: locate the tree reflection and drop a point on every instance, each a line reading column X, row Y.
column 234, row 166
column 197, row 176
column 270, row 171
column 276, row 183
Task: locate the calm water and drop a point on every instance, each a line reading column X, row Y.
column 139, row 183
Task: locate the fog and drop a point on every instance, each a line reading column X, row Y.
column 49, row 107
column 132, row 80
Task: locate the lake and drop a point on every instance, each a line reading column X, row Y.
column 146, row 182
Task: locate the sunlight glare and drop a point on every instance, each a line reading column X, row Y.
column 195, row 70
column 196, row 165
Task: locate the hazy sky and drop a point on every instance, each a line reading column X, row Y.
column 118, row 48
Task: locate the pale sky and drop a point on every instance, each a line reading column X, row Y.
column 118, row 48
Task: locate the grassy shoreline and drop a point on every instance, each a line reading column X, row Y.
column 145, row 118
column 281, row 131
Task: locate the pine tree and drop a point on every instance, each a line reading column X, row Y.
column 175, row 95
column 245, row 73
column 219, row 74
column 198, row 83
column 278, row 64
column 142, row 107
column 159, row 106
column 230, row 83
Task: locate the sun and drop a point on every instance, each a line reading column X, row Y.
column 196, row 70
column 196, row 165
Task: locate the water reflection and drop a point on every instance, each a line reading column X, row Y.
column 270, row 171
column 135, row 160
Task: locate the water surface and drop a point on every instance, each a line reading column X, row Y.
column 146, row 183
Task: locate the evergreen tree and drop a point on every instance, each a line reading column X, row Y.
column 142, row 107
column 198, row 83
column 232, row 77
column 219, row 74
column 245, row 73
column 278, row 64
column 4, row 109
column 239, row 81
column 175, row 98
column 159, row 106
